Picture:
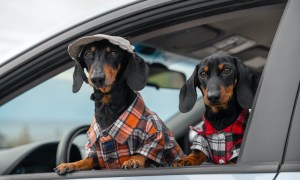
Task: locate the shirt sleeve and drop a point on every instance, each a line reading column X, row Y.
column 90, row 147
column 201, row 144
column 235, row 151
column 236, row 148
column 90, row 151
column 159, row 145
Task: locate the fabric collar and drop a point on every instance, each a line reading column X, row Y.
column 235, row 128
column 123, row 127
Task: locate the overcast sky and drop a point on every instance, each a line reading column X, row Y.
column 23, row 21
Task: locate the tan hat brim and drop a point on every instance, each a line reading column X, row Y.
column 76, row 47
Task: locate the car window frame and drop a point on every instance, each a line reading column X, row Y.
column 263, row 97
column 290, row 161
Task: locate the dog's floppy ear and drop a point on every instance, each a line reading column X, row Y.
column 188, row 94
column 137, row 72
column 247, row 84
column 77, row 78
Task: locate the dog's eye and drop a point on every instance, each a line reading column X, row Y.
column 227, row 71
column 203, row 74
column 114, row 53
column 88, row 55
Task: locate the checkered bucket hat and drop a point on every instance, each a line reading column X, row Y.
column 76, row 47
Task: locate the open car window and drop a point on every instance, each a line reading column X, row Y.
column 50, row 109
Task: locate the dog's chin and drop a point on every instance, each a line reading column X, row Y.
column 216, row 104
column 100, row 86
column 216, row 107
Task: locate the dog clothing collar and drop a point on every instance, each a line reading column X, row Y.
column 128, row 119
column 235, row 128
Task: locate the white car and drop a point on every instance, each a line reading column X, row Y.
column 38, row 109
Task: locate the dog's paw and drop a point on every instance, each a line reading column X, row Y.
column 64, row 168
column 184, row 162
column 132, row 164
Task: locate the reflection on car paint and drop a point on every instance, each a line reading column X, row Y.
column 253, row 176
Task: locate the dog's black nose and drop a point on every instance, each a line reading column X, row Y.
column 213, row 96
column 98, row 80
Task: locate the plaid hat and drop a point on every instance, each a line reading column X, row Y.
column 76, row 47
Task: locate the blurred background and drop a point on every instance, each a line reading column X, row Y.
column 22, row 24
column 36, row 114
column 25, row 21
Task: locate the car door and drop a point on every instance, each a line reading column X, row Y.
column 290, row 164
column 275, row 117
column 290, row 161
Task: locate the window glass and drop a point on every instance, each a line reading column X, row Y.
column 45, row 112
column 50, row 109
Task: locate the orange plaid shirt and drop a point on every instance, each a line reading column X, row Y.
column 137, row 131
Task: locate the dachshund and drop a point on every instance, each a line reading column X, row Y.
column 124, row 133
column 228, row 87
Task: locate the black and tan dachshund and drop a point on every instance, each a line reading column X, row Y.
column 124, row 133
column 228, row 88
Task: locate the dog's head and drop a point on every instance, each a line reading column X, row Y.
column 219, row 77
column 107, row 64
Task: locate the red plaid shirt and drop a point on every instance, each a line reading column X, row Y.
column 137, row 131
column 221, row 146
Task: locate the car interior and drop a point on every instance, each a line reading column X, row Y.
column 248, row 37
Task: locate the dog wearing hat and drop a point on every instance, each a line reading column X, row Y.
column 124, row 133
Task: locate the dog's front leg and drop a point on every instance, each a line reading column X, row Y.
column 195, row 158
column 85, row 164
column 136, row 161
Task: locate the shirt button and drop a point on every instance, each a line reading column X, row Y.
column 104, row 133
column 221, row 161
